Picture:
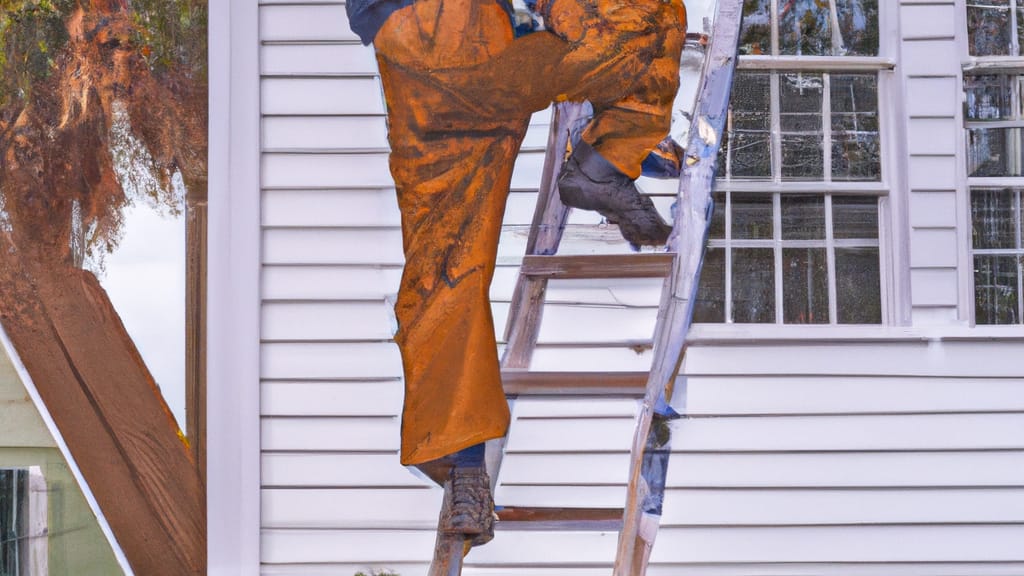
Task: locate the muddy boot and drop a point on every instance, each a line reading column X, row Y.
column 469, row 506
column 590, row 182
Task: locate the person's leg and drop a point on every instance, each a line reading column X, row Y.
column 452, row 169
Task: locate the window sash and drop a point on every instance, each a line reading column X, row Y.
column 777, row 244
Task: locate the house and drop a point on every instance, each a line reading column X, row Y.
column 854, row 390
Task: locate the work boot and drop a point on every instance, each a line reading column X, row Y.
column 469, row 506
column 590, row 182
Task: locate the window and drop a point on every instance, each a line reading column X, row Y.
column 994, row 119
column 13, row 522
column 795, row 237
column 23, row 528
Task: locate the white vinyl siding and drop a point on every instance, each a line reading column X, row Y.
column 837, row 450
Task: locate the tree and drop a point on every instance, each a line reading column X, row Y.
column 81, row 80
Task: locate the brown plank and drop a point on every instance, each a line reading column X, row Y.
column 195, row 330
column 523, row 383
column 657, row 265
column 110, row 412
column 527, row 518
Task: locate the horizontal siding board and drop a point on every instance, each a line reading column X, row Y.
column 596, row 359
column 973, row 359
column 934, row 287
column 324, row 132
column 332, row 208
column 382, row 508
column 325, row 321
column 933, row 172
column 317, row 59
column 282, row 398
column 932, row 97
column 794, row 506
column 326, row 170
column 375, row 247
column 928, row 21
column 337, row 470
column 933, row 136
column 279, row 546
column 318, row 360
column 305, row 22
column 329, row 434
column 832, row 433
column 933, row 248
column 555, row 496
column 841, row 544
column 862, row 470
column 327, row 282
column 854, row 394
column 331, row 96
column 565, row 469
column 930, row 58
column 930, row 209
column 564, row 435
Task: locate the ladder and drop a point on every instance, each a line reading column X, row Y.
column 638, row 521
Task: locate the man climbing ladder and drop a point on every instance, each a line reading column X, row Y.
column 460, row 90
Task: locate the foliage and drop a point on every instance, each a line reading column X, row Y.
column 101, row 102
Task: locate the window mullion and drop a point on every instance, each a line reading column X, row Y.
column 826, row 125
column 776, row 127
column 774, row 9
column 777, row 237
column 728, row 258
column 830, row 259
column 1014, row 41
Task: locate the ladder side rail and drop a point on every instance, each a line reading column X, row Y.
column 676, row 313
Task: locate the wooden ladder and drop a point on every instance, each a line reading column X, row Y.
column 637, row 522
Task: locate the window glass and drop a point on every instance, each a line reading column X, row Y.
column 988, row 27
column 997, row 289
column 753, row 285
column 858, row 286
column 804, row 286
column 854, row 217
column 752, row 216
column 803, row 217
column 13, row 512
column 710, row 305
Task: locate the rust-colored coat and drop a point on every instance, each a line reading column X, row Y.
column 460, row 92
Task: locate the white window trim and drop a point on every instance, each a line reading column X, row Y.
column 233, row 426
column 892, row 191
column 989, row 65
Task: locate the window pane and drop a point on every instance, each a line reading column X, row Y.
column 803, row 217
column 753, row 285
column 756, row 34
column 994, row 152
column 717, row 231
column 800, row 120
column 995, row 289
column 856, row 153
column 855, row 217
column 988, row 27
column 993, row 219
column 990, row 97
column 858, row 24
column 752, row 216
column 13, row 508
column 804, row 28
column 858, row 286
column 800, row 102
column 804, row 286
column 748, row 144
column 710, row 304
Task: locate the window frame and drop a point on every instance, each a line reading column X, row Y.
column 982, row 66
column 893, row 279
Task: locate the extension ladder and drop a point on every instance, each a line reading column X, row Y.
column 637, row 522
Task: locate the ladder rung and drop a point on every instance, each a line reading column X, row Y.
column 657, row 265
column 521, row 382
column 525, row 518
